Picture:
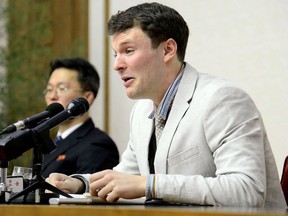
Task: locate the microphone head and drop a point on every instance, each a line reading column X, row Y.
column 54, row 109
column 78, row 107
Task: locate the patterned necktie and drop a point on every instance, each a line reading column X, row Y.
column 57, row 140
column 159, row 125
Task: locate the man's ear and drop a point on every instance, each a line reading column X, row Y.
column 89, row 96
column 170, row 49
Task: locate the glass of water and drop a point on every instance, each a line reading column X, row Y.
column 25, row 172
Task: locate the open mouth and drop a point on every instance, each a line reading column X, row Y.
column 127, row 81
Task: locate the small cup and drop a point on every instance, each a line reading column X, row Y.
column 25, row 172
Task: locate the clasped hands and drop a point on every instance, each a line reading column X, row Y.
column 109, row 185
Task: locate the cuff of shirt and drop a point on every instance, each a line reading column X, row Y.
column 84, row 178
column 150, row 187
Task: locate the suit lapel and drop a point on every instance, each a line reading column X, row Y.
column 149, row 125
column 61, row 148
column 180, row 105
column 68, row 142
column 144, row 135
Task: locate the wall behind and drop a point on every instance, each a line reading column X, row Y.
column 244, row 41
column 96, row 51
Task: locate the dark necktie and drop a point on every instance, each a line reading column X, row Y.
column 151, row 153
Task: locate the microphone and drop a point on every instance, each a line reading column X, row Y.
column 15, row 144
column 31, row 121
column 75, row 108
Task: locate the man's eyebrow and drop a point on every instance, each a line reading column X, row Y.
column 125, row 42
column 60, row 83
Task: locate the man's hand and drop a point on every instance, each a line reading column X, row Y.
column 110, row 185
column 65, row 183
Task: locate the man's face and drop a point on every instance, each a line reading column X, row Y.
column 63, row 87
column 140, row 66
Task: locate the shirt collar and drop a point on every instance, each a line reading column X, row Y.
column 163, row 108
column 67, row 132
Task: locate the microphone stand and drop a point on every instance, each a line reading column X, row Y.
column 4, row 189
column 38, row 183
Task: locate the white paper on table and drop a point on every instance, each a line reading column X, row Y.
column 86, row 199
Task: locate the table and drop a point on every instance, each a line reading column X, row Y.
column 123, row 210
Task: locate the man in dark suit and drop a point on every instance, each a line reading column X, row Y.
column 82, row 148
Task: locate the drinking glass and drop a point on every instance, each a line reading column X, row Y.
column 25, row 172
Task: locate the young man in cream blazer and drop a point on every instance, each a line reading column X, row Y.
column 213, row 149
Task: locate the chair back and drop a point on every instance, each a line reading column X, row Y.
column 284, row 180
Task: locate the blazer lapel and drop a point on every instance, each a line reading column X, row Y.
column 180, row 105
column 144, row 135
column 68, row 142
column 61, row 148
